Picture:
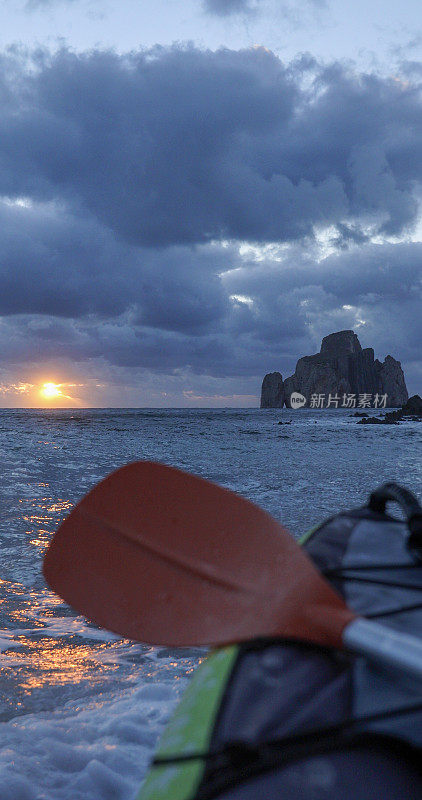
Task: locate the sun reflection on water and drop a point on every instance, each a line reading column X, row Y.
column 43, row 517
column 52, row 662
column 45, row 645
column 48, row 654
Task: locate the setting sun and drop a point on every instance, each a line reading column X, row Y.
column 51, row 390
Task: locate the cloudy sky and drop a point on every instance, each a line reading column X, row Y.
column 193, row 193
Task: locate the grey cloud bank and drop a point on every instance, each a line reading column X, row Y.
column 225, row 7
column 179, row 146
column 130, row 183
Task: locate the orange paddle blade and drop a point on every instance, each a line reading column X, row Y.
column 164, row 557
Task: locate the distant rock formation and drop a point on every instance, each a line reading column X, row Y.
column 411, row 411
column 392, row 382
column 413, row 406
column 272, row 393
column 341, row 367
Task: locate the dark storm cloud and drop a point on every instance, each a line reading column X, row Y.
column 347, row 234
column 55, row 263
column 179, row 146
column 224, row 8
column 64, row 293
column 34, row 5
column 390, row 272
column 375, row 289
column 130, row 172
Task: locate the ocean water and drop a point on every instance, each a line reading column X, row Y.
column 80, row 709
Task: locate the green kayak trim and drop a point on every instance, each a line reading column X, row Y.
column 191, row 726
column 306, row 536
column 190, row 730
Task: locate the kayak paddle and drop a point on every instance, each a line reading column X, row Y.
column 164, row 557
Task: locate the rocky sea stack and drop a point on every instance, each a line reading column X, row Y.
column 272, row 393
column 341, row 368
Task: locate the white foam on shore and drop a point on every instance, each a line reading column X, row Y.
column 99, row 752
column 76, row 626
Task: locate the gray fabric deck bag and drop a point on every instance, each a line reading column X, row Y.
column 297, row 721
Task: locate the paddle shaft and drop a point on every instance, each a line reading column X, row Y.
column 384, row 646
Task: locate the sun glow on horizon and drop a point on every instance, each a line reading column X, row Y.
column 51, row 390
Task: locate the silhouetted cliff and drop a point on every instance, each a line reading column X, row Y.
column 341, row 368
